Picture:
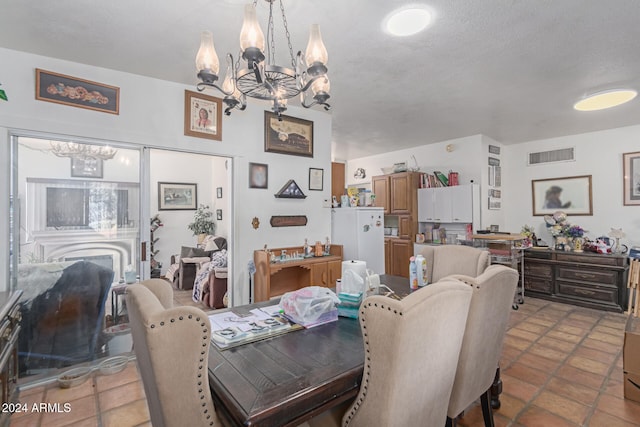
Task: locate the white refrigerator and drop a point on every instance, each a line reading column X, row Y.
column 361, row 233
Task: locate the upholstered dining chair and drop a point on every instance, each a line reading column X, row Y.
column 493, row 293
column 445, row 260
column 411, row 354
column 172, row 347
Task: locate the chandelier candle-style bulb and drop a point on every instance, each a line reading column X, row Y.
column 321, row 86
column 251, row 36
column 316, row 51
column 207, row 58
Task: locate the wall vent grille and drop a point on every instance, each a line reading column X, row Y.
column 553, row 156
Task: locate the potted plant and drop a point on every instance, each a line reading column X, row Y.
column 203, row 223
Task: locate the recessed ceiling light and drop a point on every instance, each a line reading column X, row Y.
column 407, row 21
column 606, row 99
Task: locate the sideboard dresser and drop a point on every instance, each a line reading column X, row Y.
column 10, row 317
column 581, row 278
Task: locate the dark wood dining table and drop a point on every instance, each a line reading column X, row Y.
column 287, row 379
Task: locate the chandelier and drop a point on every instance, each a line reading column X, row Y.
column 82, row 151
column 262, row 78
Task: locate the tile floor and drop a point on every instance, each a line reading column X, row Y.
column 561, row 366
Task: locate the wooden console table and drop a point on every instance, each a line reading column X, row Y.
column 581, row 278
column 274, row 279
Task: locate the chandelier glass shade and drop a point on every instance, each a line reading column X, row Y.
column 261, row 78
column 82, row 151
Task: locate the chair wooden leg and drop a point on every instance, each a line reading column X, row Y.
column 496, row 390
column 487, row 411
column 451, row 422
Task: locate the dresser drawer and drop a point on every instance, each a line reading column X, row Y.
column 537, row 284
column 609, row 260
column 538, row 270
column 606, row 277
column 595, row 293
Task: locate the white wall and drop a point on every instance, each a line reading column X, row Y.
column 151, row 114
column 598, row 154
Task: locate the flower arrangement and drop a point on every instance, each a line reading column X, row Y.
column 203, row 222
column 574, row 231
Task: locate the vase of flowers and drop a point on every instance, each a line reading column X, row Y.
column 203, row 223
column 574, row 233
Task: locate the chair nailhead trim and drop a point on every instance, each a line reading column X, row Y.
column 173, row 320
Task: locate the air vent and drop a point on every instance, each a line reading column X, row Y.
column 553, row 156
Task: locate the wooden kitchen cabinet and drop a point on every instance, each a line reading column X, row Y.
column 275, row 278
column 380, row 187
column 585, row 279
column 397, row 253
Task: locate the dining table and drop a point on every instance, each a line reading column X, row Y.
column 286, row 379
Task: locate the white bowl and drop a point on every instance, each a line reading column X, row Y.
column 113, row 365
column 74, row 377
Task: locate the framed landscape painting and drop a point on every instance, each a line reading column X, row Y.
column 173, row 196
column 571, row 195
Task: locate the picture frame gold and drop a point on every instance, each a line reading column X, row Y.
column 202, row 116
column 571, row 195
column 288, row 135
column 76, row 92
column 631, row 178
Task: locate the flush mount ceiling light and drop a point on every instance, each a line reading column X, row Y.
column 606, row 99
column 407, row 21
column 306, row 75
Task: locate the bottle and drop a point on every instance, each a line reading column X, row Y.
column 327, row 247
column 306, row 249
column 421, row 270
column 318, row 251
column 413, row 273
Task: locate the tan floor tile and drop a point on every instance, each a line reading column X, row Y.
column 563, row 407
column 131, row 414
column 572, row 390
column 32, row 390
column 579, row 376
column 615, row 388
column 533, row 327
column 79, row 409
column 527, row 374
column 28, row 420
column 574, row 330
column 621, row 408
column 537, row 362
column 541, row 321
column 601, row 345
column 563, row 336
column 510, row 352
column 518, row 343
column 597, row 355
column 119, row 396
column 580, row 324
column 557, row 344
column 616, row 332
column 510, row 407
column 61, row 395
column 518, row 388
column 537, row 417
column 589, row 365
column 602, row 419
column 547, row 352
column 522, row 334
column 615, row 340
column 89, row 422
column 29, row 399
column 130, row 374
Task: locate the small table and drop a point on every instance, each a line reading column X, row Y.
column 116, row 292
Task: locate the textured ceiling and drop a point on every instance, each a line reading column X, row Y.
column 508, row 69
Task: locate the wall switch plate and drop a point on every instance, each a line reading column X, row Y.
column 326, row 203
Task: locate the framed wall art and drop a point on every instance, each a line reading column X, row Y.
column 571, row 195
column 173, row 196
column 631, row 178
column 258, row 175
column 316, row 179
column 219, row 193
column 202, row 115
column 87, row 168
column 76, row 92
column 289, row 135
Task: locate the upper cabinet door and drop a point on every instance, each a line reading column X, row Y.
column 401, row 191
column 426, row 207
column 461, row 203
column 442, row 204
column 380, row 187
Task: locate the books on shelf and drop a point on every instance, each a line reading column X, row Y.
column 438, row 179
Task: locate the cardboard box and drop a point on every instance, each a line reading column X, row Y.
column 631, row 359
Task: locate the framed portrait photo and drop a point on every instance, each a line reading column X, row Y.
column 316, row 179
column 631, row 178
column 288, row 135
column 202, row 115
column 174, row 196
column 258, row 175
column 571, row 195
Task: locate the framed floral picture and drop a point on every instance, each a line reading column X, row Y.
column 631, row 178
column 202, row 115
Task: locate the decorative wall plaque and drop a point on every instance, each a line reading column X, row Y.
column 288, row 221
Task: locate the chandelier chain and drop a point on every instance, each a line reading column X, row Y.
column 271, row 46
column 286, row 30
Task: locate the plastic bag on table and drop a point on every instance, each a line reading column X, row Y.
column 308, row 304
